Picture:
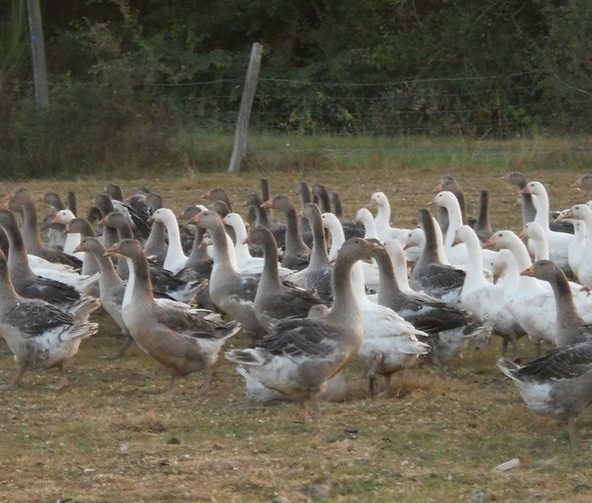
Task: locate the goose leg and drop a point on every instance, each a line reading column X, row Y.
column 64, row 378
column 315, row 407
column 574, row 441
column 372, row 388
column 172, row 387
column 504, row 347
column 16, row 380
column 208, row 375
column 127, row 343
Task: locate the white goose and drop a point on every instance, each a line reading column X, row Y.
column 390, row 343
column 175, row 258
column 383, row 220
column 72, row 238
column 527, row 299
column 582, row 268
column 333, row 225
column 456, row 255
column 558, row 241
column 245, row 262
column 485, row 300
column 364, row 216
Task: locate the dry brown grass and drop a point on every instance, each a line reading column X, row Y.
column 436, row 437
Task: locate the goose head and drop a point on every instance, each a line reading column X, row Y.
column 445, row 199
column 63, row 217
column 534, row 188
column 164, row 216
column 130, row 248
column 576, row 212
column 516, row 179
column 90, row 244
column 543, row 269
column 379, row 199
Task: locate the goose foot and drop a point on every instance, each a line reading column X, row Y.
column 64, row 381
column 16, row 380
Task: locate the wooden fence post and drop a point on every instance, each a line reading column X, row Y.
column 242, row 123
column 38, row 54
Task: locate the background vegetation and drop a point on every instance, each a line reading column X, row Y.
column 138, row 84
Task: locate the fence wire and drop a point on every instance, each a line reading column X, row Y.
column 495, row 104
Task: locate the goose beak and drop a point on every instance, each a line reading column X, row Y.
column 528, row 272
column 490, row 244
column 77, row 249
column 267, row 204
column 577, row 184
column 179, row 215
column 246, row 241
column 504, row 178
column 150, row 219
column 112, row 251
column 196, row 219
column 525, row 191
column 57, row 220
column 522, row 234
column 437, row 188
column 206, row 195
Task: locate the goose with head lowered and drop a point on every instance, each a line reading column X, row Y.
column 302, row 354
column 232, row 292
column 350, row 228
column 180, row 341
column 38, row 334
column 29, row 285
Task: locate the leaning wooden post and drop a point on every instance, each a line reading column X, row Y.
column 38, row 54
column 242, row 122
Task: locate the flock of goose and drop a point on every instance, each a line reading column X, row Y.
column 311, row 291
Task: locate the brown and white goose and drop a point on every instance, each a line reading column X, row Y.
column 180, row 341
column 299, row 358
column 38, row 334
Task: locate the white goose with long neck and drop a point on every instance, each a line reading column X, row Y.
column 369, row 274
column 175, row 258
column 456, row 255
column 509, row 240
column 382, row 220
column 364, row 216
column 558, row 242
column 582, row 265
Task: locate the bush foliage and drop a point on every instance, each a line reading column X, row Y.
column 131, row 81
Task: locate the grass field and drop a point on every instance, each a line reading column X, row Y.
column 437, row 436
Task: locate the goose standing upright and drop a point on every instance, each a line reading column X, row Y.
column 484, row 299
column 296, row 253
column 175, row 258
column 181, row 341
column 21, row 200
column 449, row 184
column 382, row 220
column 29, row 285
column 38, row 334
column 300, row 357
column 558, row 241
column 232, row 292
